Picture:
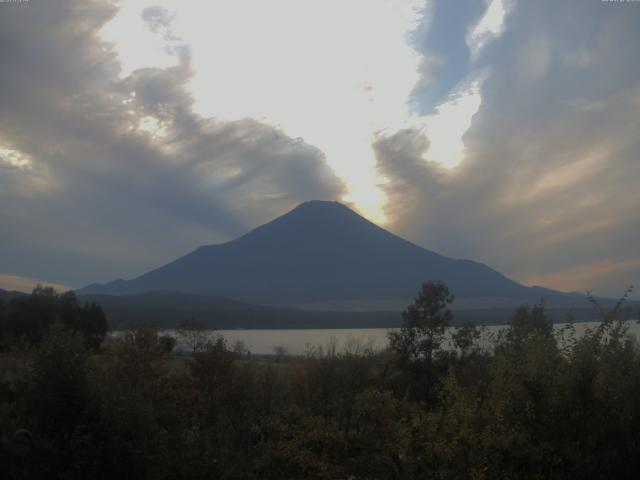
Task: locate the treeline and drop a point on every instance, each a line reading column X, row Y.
column 25, row 320
column 537, row 404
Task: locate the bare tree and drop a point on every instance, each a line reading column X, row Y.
column 240, row 347
column 279, row 351
column 194, row 334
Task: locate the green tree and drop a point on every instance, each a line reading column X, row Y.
column 422, row 332
column 28, row 319
column 59, row 409
column 167, row 343
column 529, row 322
column 466, row 337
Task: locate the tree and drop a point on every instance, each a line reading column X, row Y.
column 424, row 323
column 167, row 343
column 422, row 331
column 529, row 323
column 59, row 382
column 194, row 334
column 29, row 318
column 240, row 347
column 279, row 351
column 465, row 337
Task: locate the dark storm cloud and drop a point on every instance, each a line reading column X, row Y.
column 101, row 197
column 549, row 189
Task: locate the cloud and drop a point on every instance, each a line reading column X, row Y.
column 25, row 284
column 440, row 39
column 488, row 28
column 329, row 72
column 548, row 189
column 122, row 174
column 108, row 169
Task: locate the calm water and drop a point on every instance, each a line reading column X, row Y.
column 298, row 342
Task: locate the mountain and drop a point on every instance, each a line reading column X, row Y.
column 318, row 253
column 169, row 309
column 8, row 295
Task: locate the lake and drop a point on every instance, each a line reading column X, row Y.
column 299, row 341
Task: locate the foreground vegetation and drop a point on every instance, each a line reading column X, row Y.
column 538, row 404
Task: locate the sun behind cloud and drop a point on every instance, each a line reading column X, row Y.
column 334, row 74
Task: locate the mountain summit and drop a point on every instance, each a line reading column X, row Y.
column 319, row 251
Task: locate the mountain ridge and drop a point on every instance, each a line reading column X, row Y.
column 319, row 251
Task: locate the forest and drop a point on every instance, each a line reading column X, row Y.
column 538, row 403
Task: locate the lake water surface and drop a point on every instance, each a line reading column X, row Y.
column 299, row 342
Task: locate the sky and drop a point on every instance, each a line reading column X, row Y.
column 504, row 131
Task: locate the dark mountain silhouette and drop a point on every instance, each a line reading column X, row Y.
column 168, row 309
column 318, row 252
column 8, row 295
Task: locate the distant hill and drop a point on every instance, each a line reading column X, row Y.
column 169, row 309
column 166, row 309
column 321, row 252
column 7, row 295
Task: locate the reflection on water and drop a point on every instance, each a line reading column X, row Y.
column 298, row 342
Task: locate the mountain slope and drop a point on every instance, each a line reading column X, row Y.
column 320, row 251
column 8, row 295
column 169, row 309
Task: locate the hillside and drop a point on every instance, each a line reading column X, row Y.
column 320, row 252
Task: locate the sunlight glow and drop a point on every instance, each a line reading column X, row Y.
column 152, row 126
column 332, row 73
column 136, row 44
column 488, row 28
column 584, row 277
column 14, row 158
column 446, row 127
column 26, row 284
